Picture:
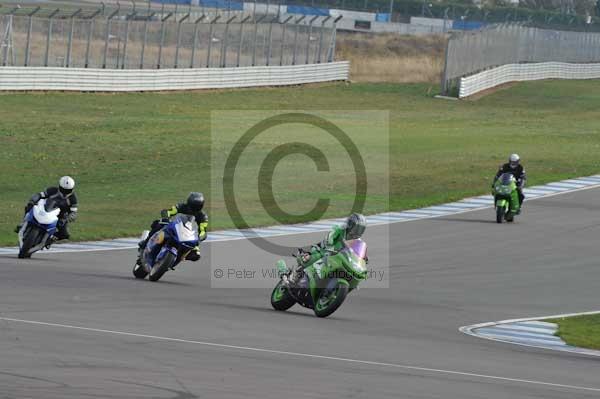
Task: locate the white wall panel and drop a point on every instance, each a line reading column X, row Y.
column 522, row 72
column 115, row 80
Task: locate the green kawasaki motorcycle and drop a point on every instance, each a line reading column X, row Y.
column 506, row 198
column 323, row 285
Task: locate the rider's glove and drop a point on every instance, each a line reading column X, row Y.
column 71, row 217
column 164, row 214
column 29, row 205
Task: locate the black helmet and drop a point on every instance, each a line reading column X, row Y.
column 195, row 201
column 356, row 224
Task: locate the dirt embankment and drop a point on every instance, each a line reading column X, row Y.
column 392, row 57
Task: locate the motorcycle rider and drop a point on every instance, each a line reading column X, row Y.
column 192, row 206
column 514, row 167
column 67, row 202
column 352, row 229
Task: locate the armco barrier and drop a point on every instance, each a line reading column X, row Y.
column 522, row 72
column 115, row 80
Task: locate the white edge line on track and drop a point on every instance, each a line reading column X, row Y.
column 307, row 355
column 469, row 331
column 293, row 233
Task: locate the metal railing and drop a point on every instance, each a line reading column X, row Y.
column 469, row 53
column 164, row 38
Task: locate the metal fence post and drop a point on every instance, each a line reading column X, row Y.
column 445, row 72
column 145, row 38
column 179, row 38
column 256, row 22
column 29, row 27
column 296, row 38
column 70, row 43
column 7, row 39
column 283, row 28
column 89, row 37
column 195, row 41
column 49, row 36
column 210, row 33
column 223, row 61
column 310, row 24
column 162, row 39
column 331, row 55
column 319, row 48
column 270, row 39
column 127, row 22
column 107, row 36
column 239, row 50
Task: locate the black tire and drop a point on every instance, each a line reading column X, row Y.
column 281, row 299
column 499, row 214
column 158, row 270
column 341, row 290
column 139, row 271
column 31, row 237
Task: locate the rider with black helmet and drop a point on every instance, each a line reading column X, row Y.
column 192, row 206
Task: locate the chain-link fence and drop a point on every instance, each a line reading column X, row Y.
column 469, row 53
column 157, row 40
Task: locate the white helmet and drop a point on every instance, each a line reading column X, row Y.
column 514, row 160
column 66, row 184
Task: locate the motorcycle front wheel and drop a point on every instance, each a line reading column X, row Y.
column 499, row 214
column 31, row 238
column 331, row 298
column 158, row 270
column 281, row 299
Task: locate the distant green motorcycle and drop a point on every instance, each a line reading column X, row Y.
column 323, row 285
column 506, row 198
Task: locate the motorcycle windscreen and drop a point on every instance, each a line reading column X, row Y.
column 44, row 215
column 506, row 179
column 359, row 247
column 186, row 229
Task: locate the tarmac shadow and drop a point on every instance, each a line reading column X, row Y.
column 130, row 277
column 490, row 220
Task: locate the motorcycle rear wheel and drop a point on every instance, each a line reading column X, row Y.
column 158, row 270
column 139, row 271
column 281, row 299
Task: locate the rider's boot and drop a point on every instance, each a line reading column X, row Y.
column 51, row 240
column 18, row 228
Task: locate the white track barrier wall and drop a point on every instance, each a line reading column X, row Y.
column 118, row 80
column 522, row 72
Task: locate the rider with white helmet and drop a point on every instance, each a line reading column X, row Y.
column 514, row 167
column 66, row 199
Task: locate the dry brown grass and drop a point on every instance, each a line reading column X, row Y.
column 392, row 57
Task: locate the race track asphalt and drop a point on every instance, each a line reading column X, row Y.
column 403, row 340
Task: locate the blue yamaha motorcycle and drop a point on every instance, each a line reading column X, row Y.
column 38, row 227
column 167, row 247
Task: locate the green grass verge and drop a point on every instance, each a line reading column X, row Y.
column 581, row 331
column 133, row 154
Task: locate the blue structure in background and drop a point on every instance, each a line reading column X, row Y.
column 182, row 2
column 383, row 17
column 467, row 25
column 224, row 4
column 308, row 10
